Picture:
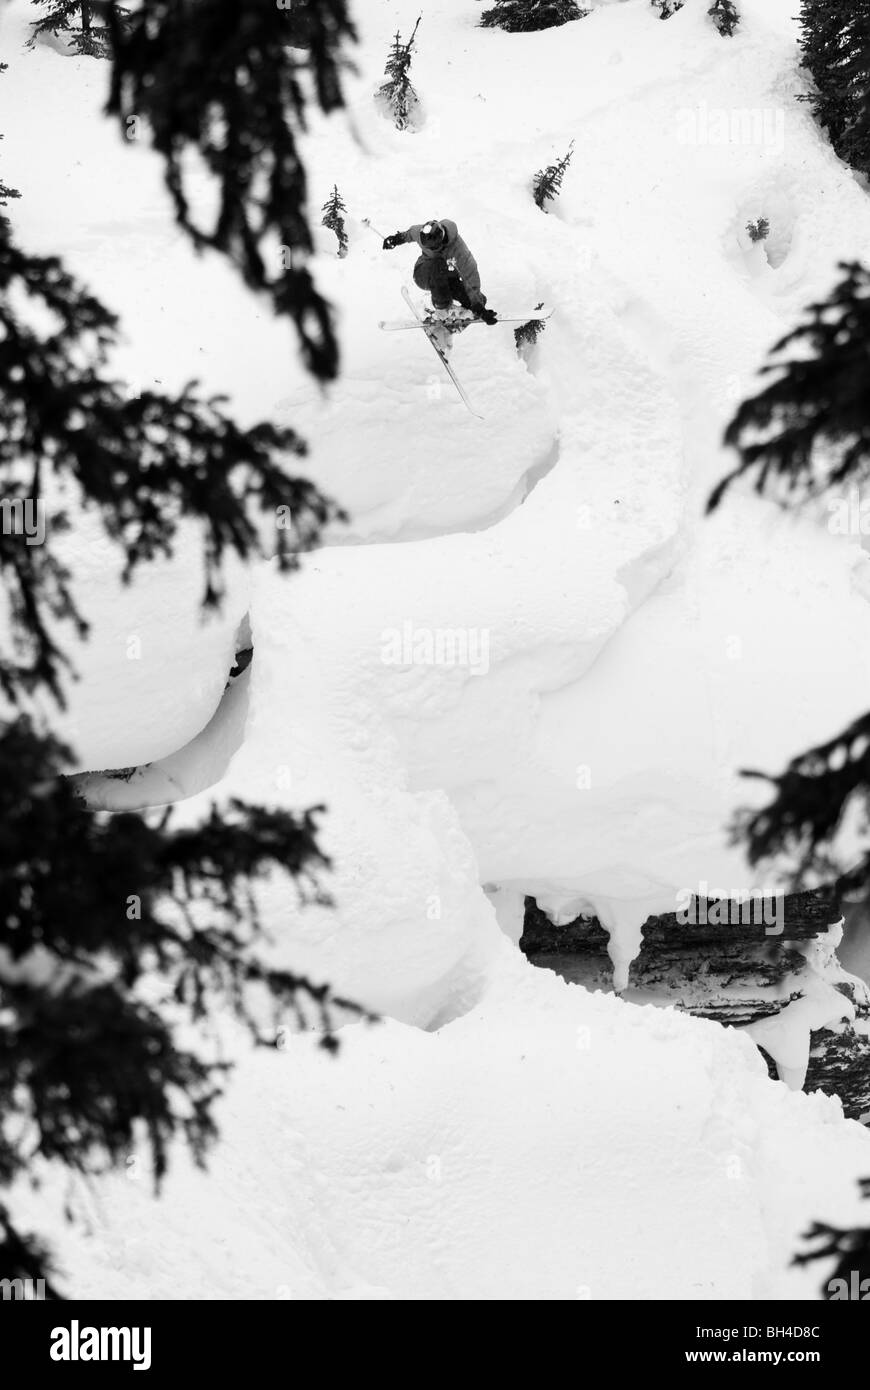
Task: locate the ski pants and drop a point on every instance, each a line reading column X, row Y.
column 432, row 273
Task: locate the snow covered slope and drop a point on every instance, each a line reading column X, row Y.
column 619, row 659
column 550, row 1144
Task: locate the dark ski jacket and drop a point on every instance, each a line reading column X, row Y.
column 454, row 252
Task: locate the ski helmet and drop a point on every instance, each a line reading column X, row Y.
column 432, row 235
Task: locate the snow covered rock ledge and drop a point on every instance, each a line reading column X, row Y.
column 787, row 991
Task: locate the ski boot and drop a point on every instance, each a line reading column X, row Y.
column 445, row 322
column 439, row 323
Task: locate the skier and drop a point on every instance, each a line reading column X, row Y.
column 445, row 267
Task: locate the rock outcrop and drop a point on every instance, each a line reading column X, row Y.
column 724, row 966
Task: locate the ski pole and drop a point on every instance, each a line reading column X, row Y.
column 374, row 230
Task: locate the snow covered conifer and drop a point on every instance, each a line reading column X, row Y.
column 526, row 336
column 547, row 182
column 523, row 16
column 397, row 93
column 75, row 20
column 666, row 7
column 725, row 16
column 333, row 217
column 758, row 230
column 835, row 39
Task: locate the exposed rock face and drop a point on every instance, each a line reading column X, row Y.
column 725, row 966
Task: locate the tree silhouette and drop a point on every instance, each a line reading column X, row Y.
column 223, row 79
column 850, row 1247
column 117, row 929
column 5, row 191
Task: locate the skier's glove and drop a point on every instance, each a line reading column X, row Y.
column 391, row 242
column 485, row 315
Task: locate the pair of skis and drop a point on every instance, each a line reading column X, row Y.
column 434, row 327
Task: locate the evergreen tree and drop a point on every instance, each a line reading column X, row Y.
column 835, row 40
column 547, row 183
column 75, row 20
column 809, row 430
column 222, row 78
column 850, row 1246
column 528, row 333
column 333, row 217
column 112, row 932
column 397, row 93
column 116, row 930
column 83, row 1062
column 143, row 462
column 805, row 434
column 725, row 16
column 666, row 7
column 759, row 230
column 523, row 16
column 5, row 191
column 526, row 336
column 810, row 799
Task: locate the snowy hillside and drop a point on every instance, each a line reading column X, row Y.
column 502, row 1134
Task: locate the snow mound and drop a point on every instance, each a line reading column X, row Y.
column 542, row 1146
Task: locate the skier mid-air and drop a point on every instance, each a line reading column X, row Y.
column 446, row 268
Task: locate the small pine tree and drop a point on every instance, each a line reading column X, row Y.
column 333, row 217
column 523, row 16
column 725, row 16
column 759, row 229
column 547, row 182
column 397, row 93
column 74, row 19
column 527, row 335
column 5, row 190
column 666, row 7
column 835, row 41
